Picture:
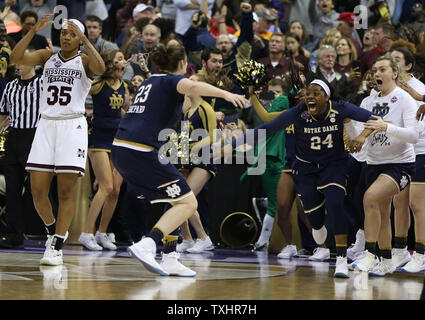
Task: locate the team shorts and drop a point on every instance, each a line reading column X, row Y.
column 101, row 139
column 419, row 176
column 310, row 180
column 59, row 146
column 400, row 173
column 151, row 179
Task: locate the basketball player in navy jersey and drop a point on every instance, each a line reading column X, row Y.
column 157, row 105
column 319, row 168
column 285, row 190
column 60, row 142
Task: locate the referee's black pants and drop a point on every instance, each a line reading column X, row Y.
column 18, row 146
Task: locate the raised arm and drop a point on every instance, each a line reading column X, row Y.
column 312, row 13
column 356, row 113
column 203, row 89
column 247, row 33
column 39, row 57
column 281, row 122
column 93, row 61
column 261, row 111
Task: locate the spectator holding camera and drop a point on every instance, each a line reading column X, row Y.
column 185, row 11
column 197, row 37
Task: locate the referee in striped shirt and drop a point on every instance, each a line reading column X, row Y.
column 20, row 111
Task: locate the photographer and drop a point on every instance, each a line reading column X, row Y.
column 185, row 11
column 197, row 37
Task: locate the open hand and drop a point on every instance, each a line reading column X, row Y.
column 43, row 23
column 73, row 27
column 236, row 99
column 376, row 125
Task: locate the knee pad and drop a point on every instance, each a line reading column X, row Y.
column 319, row 235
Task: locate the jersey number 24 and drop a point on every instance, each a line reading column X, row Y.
column 316, row 142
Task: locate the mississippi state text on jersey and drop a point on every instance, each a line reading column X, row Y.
column 65, row 87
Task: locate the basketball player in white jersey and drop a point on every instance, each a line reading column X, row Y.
column 390, row 162
column 60, row 142
column 401, row 256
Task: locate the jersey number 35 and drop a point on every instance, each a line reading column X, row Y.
column 59, row 94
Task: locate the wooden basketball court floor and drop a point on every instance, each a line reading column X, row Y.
column 223, row 274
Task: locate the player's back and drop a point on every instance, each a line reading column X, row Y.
column 65, row 87
column 157, row 105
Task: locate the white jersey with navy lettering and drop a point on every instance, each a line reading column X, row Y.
column 361, row 156
column 65, row 87
column 399, row 109
column 419, row 87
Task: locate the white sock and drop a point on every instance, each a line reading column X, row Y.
column 266, row 230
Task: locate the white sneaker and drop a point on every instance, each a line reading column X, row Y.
column 384, row 266
column 341, row 268
column 145, row 251
column 400, row 256
column 366, row 262
column 358, row 247
column 104, row 240
column 111, row 237
column 261, row 247
column 288, row 252
column 171, row 265
column 88, row 241
column 201, row 245
column 416, row 263
column 320, row 254
column 356, row 258
column 186, row 244
column 52, row 257
column 50, row 239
